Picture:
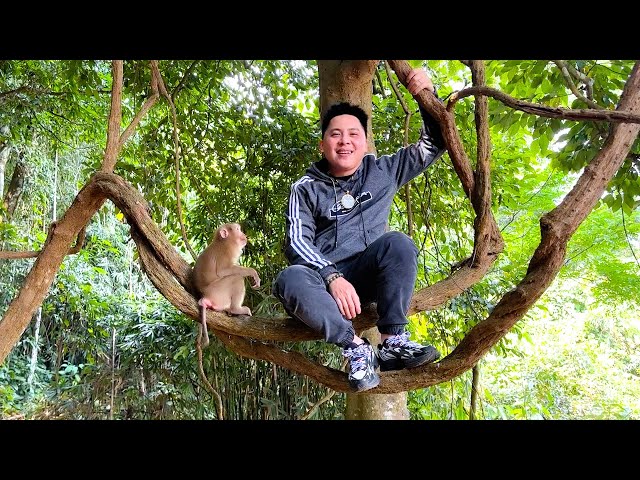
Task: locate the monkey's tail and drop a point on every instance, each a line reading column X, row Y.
column 204, row 331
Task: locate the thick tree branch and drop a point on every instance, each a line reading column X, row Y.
column 115, row 119
column 556, row 227
column 61, row 235
column 481, row 197
column 486, row 247
column 249, row 336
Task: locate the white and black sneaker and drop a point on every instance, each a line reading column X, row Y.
column 398, row 352
column 362, row 366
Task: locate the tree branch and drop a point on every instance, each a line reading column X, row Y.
column 61, row 235
column 476, row 266
column 564, row 69
column 544, row 110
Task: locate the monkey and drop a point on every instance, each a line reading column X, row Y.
column 219, row 279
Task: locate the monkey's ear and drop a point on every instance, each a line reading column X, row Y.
column 224, row 233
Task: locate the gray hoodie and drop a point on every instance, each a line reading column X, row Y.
column 321, row 232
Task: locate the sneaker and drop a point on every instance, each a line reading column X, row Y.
column 362, row 366
column 398, row 352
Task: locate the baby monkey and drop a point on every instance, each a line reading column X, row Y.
column 218, row 277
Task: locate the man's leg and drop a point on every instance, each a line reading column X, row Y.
column 392, row 260
column 304, row 296
column 386, row 273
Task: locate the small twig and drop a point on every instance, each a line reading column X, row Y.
column 176, row 143
column 564, row 69
column 324, row 399
column 544, row 110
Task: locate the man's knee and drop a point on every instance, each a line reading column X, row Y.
column 294, row 275
column 400, row 245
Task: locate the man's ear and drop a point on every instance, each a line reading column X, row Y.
column 321, row 146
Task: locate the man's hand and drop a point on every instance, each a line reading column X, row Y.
column 346, row 298
column 417, row 79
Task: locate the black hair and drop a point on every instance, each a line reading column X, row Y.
column 344, row 108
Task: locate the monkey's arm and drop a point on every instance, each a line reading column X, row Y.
column 242, row 271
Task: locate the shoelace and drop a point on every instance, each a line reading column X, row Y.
column 358, row 357
column 402, row 340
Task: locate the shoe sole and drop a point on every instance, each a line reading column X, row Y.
column 367, row 386
column 399, row 363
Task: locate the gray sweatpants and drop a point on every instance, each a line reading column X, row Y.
column 384, row 273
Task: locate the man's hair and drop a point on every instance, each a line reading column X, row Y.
column 344, row 108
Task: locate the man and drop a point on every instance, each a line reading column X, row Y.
column 338, row 246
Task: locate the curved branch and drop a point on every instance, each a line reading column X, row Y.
column 170, row 273
column 544, row 110
column 488, row 243
column 87, row 202
column 557, row 227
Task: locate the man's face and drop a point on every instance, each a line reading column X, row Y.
column 344, row 145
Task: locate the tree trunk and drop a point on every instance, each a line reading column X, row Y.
column 16, row 186
column 352, row 81
column 4, row 155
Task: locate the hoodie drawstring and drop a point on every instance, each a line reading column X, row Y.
column 335, row 194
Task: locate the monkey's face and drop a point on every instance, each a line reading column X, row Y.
column 238, row 236
column 344, row 145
